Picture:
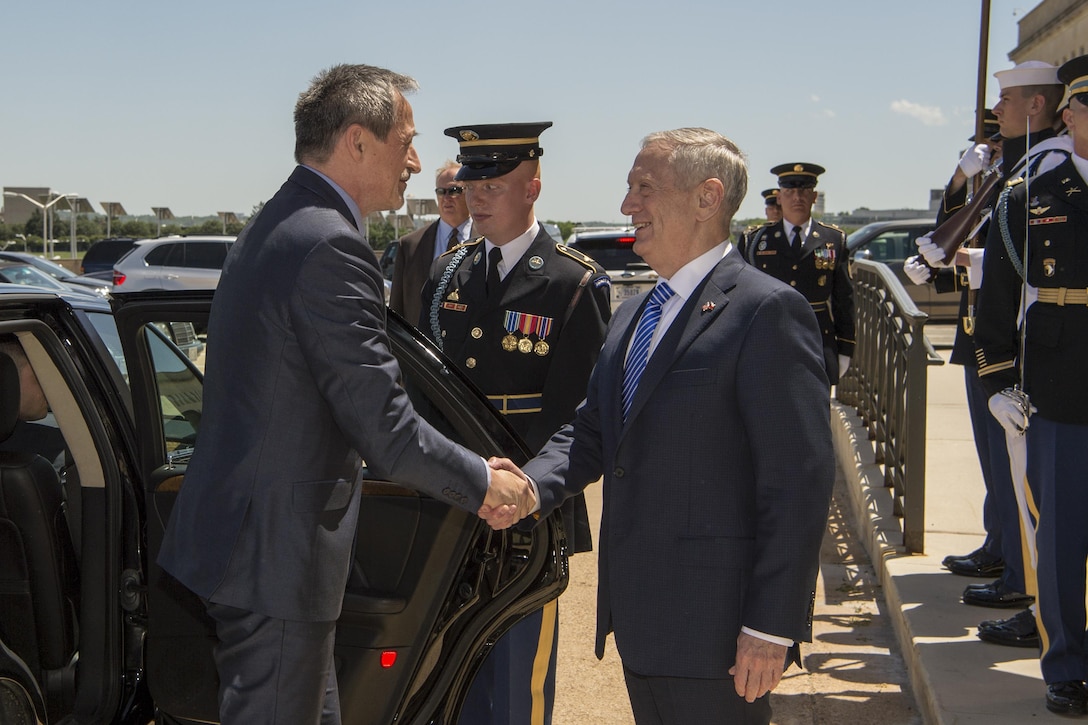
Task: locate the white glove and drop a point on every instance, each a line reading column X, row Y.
column 933, row 254
column 916, row 271
column 844, row 364
column 975, row 160
column 1012, row 409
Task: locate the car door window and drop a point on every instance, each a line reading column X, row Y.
column 165, row 255
column 892, row 246
column 205, row 255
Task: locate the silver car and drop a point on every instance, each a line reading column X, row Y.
column 612, row 249
column 172, row 263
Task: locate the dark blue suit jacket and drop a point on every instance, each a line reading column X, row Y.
column 717, row 487
column 300, row 382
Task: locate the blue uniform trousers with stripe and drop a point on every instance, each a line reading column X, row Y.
column 516, row 683
column 1058, row 478
column 1000, row 514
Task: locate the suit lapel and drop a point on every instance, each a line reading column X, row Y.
column 707, row 301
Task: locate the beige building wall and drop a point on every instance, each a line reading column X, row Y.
column 1055, row 31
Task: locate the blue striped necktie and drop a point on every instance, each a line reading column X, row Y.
column 640, row 345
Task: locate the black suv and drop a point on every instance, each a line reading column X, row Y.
column 99, row 259
column 93, row 631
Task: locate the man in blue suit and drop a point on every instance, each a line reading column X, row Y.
column 707, row 415
column 301, row 389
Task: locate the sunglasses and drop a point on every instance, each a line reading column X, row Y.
column 450, row 191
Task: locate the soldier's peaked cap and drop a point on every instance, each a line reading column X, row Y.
column 1074, row 74
column 770, row 197
column 798, row 175
column 494, row 149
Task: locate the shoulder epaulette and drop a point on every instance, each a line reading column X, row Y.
column 832, row 226
column 580, row 257
column 454, row 248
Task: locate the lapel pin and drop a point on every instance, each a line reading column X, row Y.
column 708, row 306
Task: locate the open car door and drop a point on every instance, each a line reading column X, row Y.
column 431, row 587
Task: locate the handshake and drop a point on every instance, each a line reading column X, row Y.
column 510, row 496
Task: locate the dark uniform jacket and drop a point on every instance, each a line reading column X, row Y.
column 819, row 273
column 954, row 279
column 1056, row 216
column 532, row 345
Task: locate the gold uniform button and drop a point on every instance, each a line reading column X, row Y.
column 793, row 283
column 470, row 363
column 795, row 268
column 476, row 333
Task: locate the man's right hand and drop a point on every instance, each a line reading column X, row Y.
column 933, row 254
column 509, row 498
column 975, row 160
column 916, row 270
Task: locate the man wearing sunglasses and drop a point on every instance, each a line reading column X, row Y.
column 418, row 250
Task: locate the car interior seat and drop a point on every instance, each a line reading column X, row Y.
column 38, row 577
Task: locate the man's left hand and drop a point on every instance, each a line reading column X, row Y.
column 759, row 666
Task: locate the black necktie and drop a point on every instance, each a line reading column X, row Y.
column 796, row 239
column 452, row 241
column 493, row 259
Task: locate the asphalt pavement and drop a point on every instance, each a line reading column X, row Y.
column 956, row 678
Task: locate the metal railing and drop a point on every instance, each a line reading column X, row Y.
column 887, row 383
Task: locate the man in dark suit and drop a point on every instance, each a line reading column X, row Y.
column 811, row 257
column 524, row 318
column 418, row 250
column 707, row 415
column 300, row 383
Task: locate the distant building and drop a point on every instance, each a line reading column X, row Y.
column 1055, row 31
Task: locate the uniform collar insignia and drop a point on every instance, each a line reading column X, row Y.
column 1072, row 190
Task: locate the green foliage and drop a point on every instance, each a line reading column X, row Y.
column 565, row 228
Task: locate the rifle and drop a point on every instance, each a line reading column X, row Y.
column 954, row 230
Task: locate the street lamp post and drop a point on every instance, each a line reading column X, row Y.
column 44, row 207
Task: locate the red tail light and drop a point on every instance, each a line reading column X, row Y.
column 389, row 658
column 118, row 278
column 626, row 240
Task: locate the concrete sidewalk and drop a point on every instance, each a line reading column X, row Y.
column 956, row 677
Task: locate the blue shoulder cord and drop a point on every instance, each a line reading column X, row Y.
column 440, row 291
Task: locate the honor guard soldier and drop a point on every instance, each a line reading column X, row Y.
column 524, row 318
column 1029, row 365
column 771, row 210
column 810, row 257
column 1024, row 118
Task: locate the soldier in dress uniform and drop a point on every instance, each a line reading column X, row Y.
column 524, row 317
column 771, row 210
column 1040, row 242
column 811, row 257
column 1024, row 116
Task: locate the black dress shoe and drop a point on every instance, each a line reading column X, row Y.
column 995, row 595
column 1067, row 698
column 1016, row 631
column 977, row 563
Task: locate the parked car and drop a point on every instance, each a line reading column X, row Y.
column 612, row 249
column 23, row 273
column 172, row 263
column 892, row 242
column 431, row 586
column 100, row 256
column 60, row 273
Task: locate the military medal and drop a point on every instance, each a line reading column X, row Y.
column 527, row 325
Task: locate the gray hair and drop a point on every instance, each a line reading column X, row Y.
column 343, row 95
column 698, row 154
column 450, row 164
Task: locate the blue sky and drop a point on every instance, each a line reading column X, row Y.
column 188, row 104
